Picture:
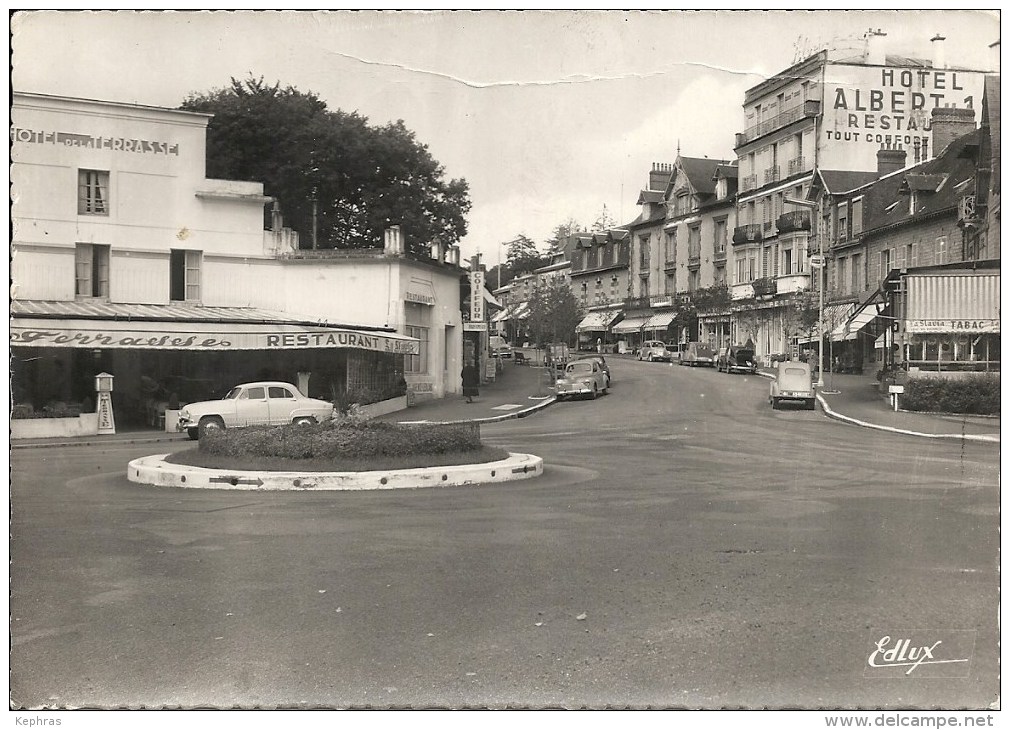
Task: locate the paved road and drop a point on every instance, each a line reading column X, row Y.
column 719, row 554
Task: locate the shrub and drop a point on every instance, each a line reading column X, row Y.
column 345, row 438
column 58, row 410
column 972, row 394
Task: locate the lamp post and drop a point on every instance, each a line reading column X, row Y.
column 816, row 262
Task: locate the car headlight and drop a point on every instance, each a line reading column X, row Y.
column 184, row 414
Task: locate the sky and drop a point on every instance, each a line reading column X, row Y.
column 548, row 115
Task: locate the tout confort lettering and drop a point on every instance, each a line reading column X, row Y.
column 901, row 103
column 70, row 139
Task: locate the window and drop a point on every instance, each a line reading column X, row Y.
column 253, row 394
column 671, row 284
column 614, row 252
column 417, row 364
column 92, row 192
column 644, row 244
column 857, row 216
column 787, row 262
column 840, row 277
column 184, row 284
column 741, row 271
column 843, row 222
column 694, row 242
column 885, row 262
column 857, row 273
column 278, row 392
column 720, row 237
column 91, row 270
column 671, row 245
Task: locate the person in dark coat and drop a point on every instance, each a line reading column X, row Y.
column 471, row 381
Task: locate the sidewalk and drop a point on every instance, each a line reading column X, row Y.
column 855, row 399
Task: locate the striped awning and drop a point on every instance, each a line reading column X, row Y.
column 659, row 321
column 961, row 301
column 850, row 328
column 597, row 321
column 631, row 324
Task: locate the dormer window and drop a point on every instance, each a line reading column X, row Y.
column 721, row 188
column 912, row 200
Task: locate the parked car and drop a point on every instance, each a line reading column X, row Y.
column 736, row 359
column 582, row 378
column 499, row 347
column 793, row 382
column 253, row 404
column 698, row 353
column 603, row 364
column 653, row 350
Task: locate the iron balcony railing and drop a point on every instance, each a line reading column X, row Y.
column 809, row 108
column 796, row 220
column 749, row 233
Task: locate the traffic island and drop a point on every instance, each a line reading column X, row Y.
column 156, row 471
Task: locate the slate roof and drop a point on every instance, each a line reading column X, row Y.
column 839, row 181
column 700, row 173
column 651, row 196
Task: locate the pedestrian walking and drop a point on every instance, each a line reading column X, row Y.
column 471, row 381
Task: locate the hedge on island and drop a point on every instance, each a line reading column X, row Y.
column 969, row 394
column 346, row 438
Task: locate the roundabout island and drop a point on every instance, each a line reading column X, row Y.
column 156, row 471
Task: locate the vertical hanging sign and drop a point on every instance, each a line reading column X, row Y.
column 477, row 296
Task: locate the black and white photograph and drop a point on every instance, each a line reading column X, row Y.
column 505, row 360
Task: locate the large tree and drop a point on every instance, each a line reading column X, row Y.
column 333, row 173
column 560, row 235
column 554, row 313
column 523, row 256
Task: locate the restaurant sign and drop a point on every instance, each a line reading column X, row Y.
column 268, row 338
column 955, row 326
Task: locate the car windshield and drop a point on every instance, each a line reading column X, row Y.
column 795, row 371
column 232, row 394
column 580, row 368
column 744, row 355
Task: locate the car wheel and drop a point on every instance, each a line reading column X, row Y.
column 210, row 423
column 193, row 433
column 593, row 396
column 652, row 358
column 606, row 389
column 775, row 404
column 304, row 421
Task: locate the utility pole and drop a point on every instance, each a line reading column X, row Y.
column 818, row 263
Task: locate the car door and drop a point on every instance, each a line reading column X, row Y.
column 282, row 402
column 252, row 408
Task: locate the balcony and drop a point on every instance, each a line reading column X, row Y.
column 670, row 265
column 741, row 291
column 809, row 108
column 694, row 262
column 750, row 233
column 796, row 220
column 764, row 287
column 720, row 253
column 797, row 165
column 749, row 182
column 791, row 283
column 773, row 174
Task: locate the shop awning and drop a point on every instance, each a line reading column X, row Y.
column 659, row 321
column 97, row 325
column 962, row 301
column 522, row 311
column 597, row 321
column 850, row 328
column 881, row 342
column 631, row 324
column 502, row 315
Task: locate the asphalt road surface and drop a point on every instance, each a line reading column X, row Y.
column 687, row 546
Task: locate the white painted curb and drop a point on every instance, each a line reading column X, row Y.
column 154, row 470
column 958, row 436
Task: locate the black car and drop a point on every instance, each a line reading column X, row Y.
column 736, row 360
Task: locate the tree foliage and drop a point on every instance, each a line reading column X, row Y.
column 604, row 221
column 554, row 314
column 362, row 177
column 560, row 235
column 523, row 256
column 713, row 298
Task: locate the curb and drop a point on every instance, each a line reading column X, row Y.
column 958, row 436
column 168, row 438
column 155, row 471
column 550, row 400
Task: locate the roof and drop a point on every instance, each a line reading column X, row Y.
column 643, row 220
column 700, row 172
column 729, row 171
column 840, row 181
column 651, row 196
column 939, row 182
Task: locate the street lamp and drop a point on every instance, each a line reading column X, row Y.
column 816, row 262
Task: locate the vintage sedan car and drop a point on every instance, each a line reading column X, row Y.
column 698, row 353
column 736, row 359
column 253, row 404
column 603, row 364
column 793, row 382
column 582, row 378
column 655, row 350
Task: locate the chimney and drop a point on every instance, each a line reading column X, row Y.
column 876, row 54
column 393, row 243
column 890, row 160
column 947, row 123
column 939, row 58
column 437, row 253
column 659, row 178
column 453, row 256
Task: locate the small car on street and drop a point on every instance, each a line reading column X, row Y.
column 654, row 350
column 698, row 353
column 582, row 378
column 266, row 403
column 736, row 359
column 499, row 347
column 793, row 382
column 601, row 360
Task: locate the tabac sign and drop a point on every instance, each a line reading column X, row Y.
column 268, row 338
column 951, row 326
